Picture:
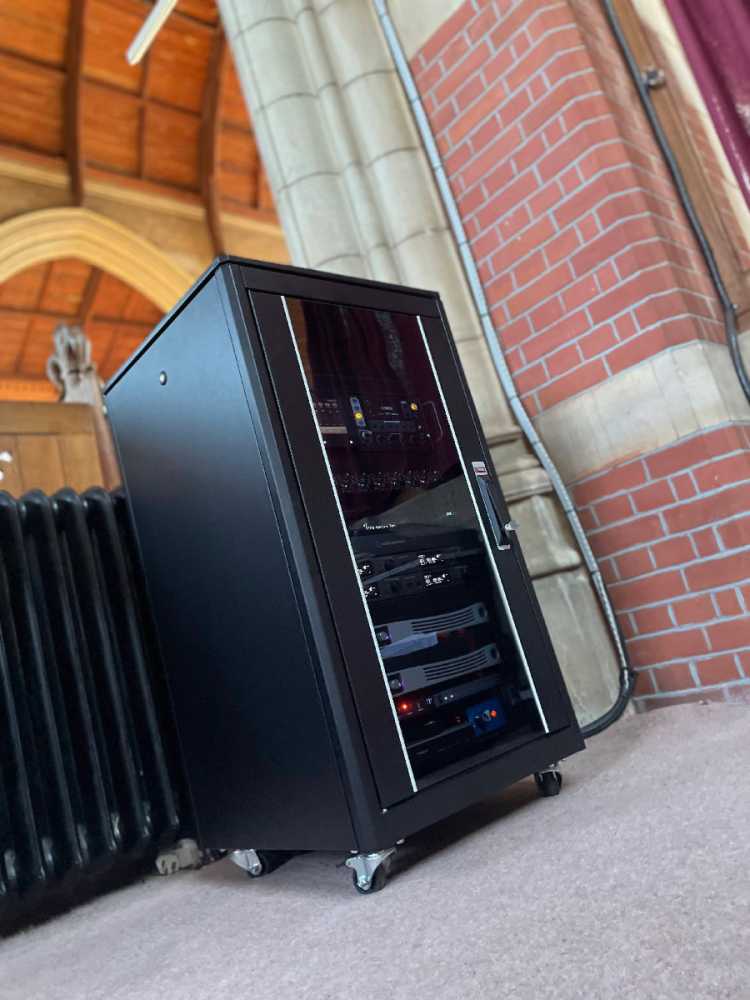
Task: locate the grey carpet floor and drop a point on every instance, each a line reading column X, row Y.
column 634, row 882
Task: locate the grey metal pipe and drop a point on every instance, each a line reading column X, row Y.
column 627, row 675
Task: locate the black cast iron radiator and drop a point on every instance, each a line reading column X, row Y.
column 88, row 768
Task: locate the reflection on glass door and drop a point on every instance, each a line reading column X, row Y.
column 451, row 658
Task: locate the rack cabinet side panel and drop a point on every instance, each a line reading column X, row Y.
column 259, row 756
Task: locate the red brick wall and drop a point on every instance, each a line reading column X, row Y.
column 672, row 533
column 586, row 259
column 589, row 268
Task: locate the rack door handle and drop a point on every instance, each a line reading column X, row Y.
column 498, row 529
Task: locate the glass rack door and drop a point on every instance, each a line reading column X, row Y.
column 457, row 676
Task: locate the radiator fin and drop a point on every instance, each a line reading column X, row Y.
column 88, row 767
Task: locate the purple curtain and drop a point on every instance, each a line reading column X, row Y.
column 716, row 37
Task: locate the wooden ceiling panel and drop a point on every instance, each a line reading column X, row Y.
column 32, row 303
column 131, row 117
column 232, row 110
column 22, row 291
column 111, row 129
column 178, row 64
column 265, row 195
column 237, row 167
column 130, row 336
column 201, row 10
column 140, row 310
column 112, row 343
column 64, row 288
column 109, row 28
column 14, row 328
column 123, row 347
column 102, row 335
column 38, row 347
column 112, row 297
column 37, row 29
column 33, row 117
column 163, row 126
column 171, row 147
column 241, row 180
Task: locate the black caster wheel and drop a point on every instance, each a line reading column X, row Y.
column 377, row 882
column 548, row 783
column 269, row 861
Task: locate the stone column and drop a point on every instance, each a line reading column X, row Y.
column 355, row 195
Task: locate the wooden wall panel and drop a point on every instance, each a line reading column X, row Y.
column 45, row 418
column 80, row 461
column 12, row 481
column 40, row 462
column 52, row 445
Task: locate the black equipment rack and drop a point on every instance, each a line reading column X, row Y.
column 352, row 642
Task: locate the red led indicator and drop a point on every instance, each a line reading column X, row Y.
column 404, row 706
column 493, row 713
